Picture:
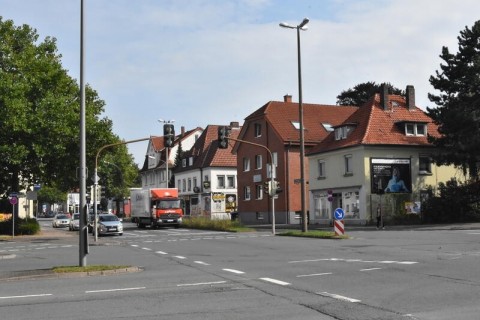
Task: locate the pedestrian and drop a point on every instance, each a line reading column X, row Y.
column 380, row 218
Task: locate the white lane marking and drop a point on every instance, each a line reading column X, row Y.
column 338, row 297
column 313, row 274
column 27, row 296
column 234, row 271
column 355, row 260
column 200, row 283
column 180, row 257
column 113, row 290
column 370, row 269
column 282, row 283
column 135, row 245
column 202, row 263
column 160, row 252
column 148, row 249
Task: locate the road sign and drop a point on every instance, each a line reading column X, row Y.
column 13, row 200
column 339, row 214
column 338, row 227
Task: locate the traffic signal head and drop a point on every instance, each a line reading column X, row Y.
column 277, row 189
column 168, row 135
column 267, row 187
column 222, row 137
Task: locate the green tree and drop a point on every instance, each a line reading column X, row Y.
column 362, row 92
column 457, row 111
column 40, row 105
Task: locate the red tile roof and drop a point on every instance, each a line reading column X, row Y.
column 280, row 115
column 376, row 126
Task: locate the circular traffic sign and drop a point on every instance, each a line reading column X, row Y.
column 339, row 214
column 13, row 200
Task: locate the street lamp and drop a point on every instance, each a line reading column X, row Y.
column 301, row 26
column 166, row 148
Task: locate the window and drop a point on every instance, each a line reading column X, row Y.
column 184, row 163
column 425, row 165
column 342, row 132
column 246, row 193
column 184, row 186
column 190, row 161
column 258, row 161
column 258, row 130
column 246, row 164
column 221, row 182
column 195, row 182
column 415, row 129
column 259, row 191
column 296, row 124
column 328, row 127
column 189, row 184
column 348, row 164
column 231, row 182
column 321, row 169
column 179, row 184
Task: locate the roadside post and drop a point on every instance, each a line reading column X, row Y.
column 13, row 198
column 338, row 225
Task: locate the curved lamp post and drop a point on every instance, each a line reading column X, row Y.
column 301, row 26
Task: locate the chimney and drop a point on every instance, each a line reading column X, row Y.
column 384, row 96
column 182, row 131
column 287, row 98
column 234, row 125
column 410, row 97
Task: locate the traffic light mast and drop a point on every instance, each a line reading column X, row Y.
column 223, row 137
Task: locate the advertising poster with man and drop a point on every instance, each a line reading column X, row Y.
column 390, row 175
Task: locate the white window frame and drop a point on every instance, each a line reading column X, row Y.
column 258, row 161
column 246, row 164
column 257, row 130
column 258, row 191
column 321, row 167
column 220, row 181
column 230, row 182
column 246, row 193
column 424, row 164
column 348, row 164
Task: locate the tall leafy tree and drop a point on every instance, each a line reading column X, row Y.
column 457, row 110
column 40, row 115
column 362, row 92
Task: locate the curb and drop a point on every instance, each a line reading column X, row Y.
column 49, row 274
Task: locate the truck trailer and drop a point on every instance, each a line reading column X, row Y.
column 157, row 207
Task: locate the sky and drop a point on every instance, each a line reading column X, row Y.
column 211, row 62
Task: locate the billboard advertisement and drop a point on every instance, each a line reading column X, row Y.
column 390, row 175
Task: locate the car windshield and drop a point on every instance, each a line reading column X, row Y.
column 62, row 216
column 76, row 217
column 108, row 218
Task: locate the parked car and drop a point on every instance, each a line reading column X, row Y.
column 74, row 223
column 108, row 224
column 60, row 221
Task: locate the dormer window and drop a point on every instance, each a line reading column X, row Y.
column 415, row 129
column 343, row 132
column 258, row 130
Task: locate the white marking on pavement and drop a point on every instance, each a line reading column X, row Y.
column 370, row 269
column 27, row 296
column 234, row 271
column 113, row 290
column 314, row 274
column 148, row 249
column 282, row 283
column 180, row 257
column 202, row 263
column 338, row 297
column 200, row 283
column 160, row 252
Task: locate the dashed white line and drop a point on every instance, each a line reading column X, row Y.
column 282, row 283
column 234, row 271
column 113, row 290
column 314, row 274
column 338, row 297
column 27, row 296
column 161, row 252
column 370, row 269
column 147, row 249
column 180, row 257
column 200, row 283
column 202, row 263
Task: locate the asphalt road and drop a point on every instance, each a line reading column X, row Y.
column 403, row 273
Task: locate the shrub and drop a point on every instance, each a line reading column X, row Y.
column 208, row 224
column 22, row 227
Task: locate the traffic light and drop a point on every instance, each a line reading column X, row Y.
column 222, row 137
column 267, row 187
column 276, row 189
column 168, row 135
column 103, row 192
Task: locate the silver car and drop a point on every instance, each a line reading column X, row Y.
column 108, row 224
column 60, row 221
column 74, row 223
